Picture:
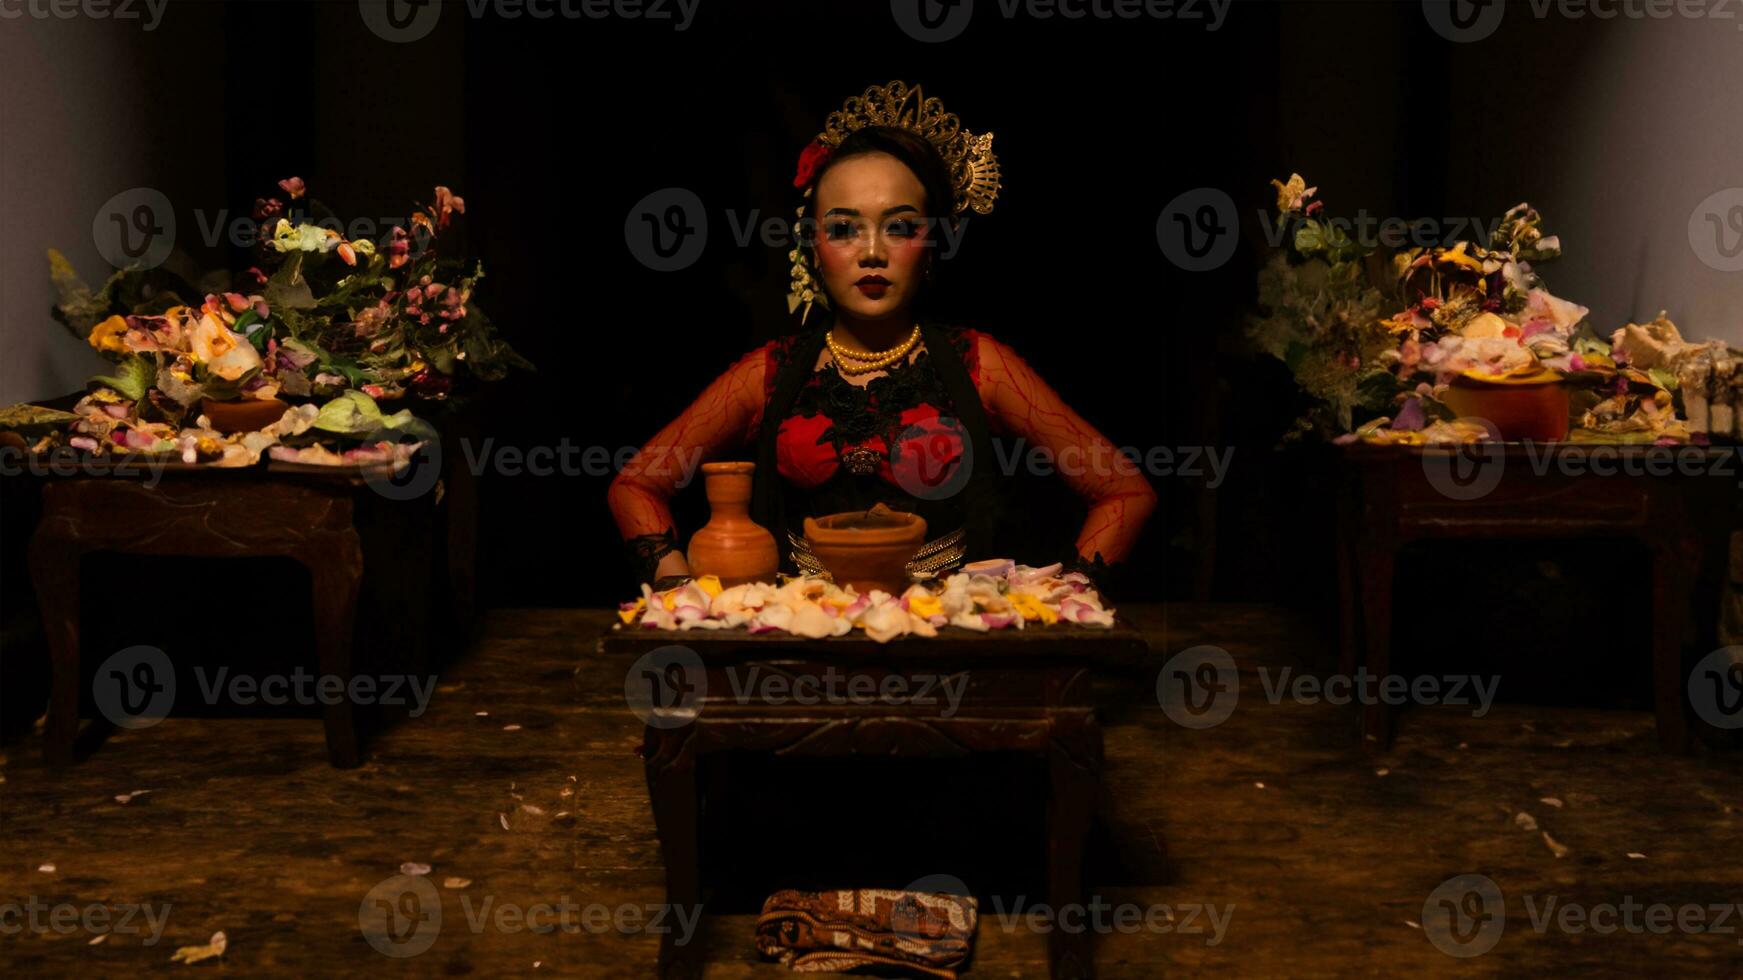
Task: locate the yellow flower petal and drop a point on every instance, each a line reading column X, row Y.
column 927, row 605
column 107, row 336
column 1456, row 256
column 1526, row 374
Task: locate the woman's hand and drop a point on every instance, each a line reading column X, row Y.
column 673, row 563
column 1120, row 498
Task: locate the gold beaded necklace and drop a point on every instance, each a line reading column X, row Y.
column 865, row 363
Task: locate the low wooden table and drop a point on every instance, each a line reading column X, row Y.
column 1026, row 691
column 1680, row 502
column 307, row 513
column 206, row 514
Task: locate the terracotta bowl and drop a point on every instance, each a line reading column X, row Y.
column 867, row 549
column 1538, row 412
column 243, row 415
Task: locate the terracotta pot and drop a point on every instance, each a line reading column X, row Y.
column 731, row 545
column 867, row 549
column 1537, row 411
column 243, row 415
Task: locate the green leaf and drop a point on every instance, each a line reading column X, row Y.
column 1585, row 341
column 1294, row 354
column 1662, row 378
column 1377, row 390
column 355, row 413
column 184, row 393
column 442, row 358
column 23, row 416
column 287, row 288
column 340, row 364
column 133, row 376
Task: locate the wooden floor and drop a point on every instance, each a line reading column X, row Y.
column 1325, row 854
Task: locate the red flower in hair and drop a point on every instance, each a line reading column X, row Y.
column 811, row 159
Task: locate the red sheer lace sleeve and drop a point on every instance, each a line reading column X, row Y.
column 724, row 417
column 1019, row 402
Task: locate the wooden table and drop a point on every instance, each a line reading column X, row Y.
column 1680, row 502
column 324, row 518
column 1025, row 691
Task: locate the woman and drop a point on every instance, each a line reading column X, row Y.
column 878, row 403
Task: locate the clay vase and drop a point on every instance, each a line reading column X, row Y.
column 731, row 545
column 1536, row 411
column 867, row 549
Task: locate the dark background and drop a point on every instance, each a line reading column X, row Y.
column 553, row 130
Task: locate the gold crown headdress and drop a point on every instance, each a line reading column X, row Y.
column 974, row 170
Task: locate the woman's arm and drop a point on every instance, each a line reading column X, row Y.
column 725, row 416
column 1120, row 497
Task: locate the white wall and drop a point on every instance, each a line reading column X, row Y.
column 90, row 108
column 1625, row 127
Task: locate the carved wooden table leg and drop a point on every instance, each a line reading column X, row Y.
column 1376, row 605
column 54, row 570
column 461, row 515
column 1669, row 680
column 1074, row 764
column 672, row 788
column 335, row 576
column 1349, row 577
